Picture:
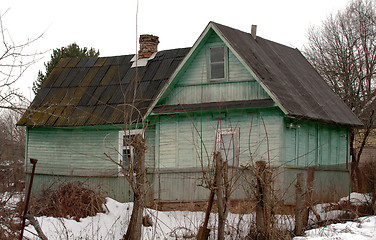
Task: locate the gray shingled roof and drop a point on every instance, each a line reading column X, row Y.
column 289, row 77
column 92, row 91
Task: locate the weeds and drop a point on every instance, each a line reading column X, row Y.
column 69, row 200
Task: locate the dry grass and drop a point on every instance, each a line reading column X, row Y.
column 235, row 206
column 71, row 199
column 351, row 211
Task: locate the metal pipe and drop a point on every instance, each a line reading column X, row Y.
column 34, row 162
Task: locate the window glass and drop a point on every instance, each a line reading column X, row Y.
column 217, row 54
column 127, row 155
column 227, row 148
column 126, row 151
column 217, row 63
column 227, row 145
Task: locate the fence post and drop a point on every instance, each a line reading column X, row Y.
column 308, row 203
column 299, row 204
column 263, row 208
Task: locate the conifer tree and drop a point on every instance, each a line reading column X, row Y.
column 72, row 50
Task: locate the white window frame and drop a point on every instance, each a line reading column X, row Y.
column 225, row 63
column 122, row 147
column 235, row 132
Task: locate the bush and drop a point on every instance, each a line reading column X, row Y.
column 71, row 199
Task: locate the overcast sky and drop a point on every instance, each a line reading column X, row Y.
column 110, row 25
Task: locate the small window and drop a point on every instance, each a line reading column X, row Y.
column 217, row 63
column 227, row 145
column 126, row 151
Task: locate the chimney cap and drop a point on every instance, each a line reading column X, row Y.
column 148, row 38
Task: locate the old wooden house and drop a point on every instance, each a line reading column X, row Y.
column 234, row 92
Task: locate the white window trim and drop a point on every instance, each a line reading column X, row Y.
column 225, row 78
column 121, row 147
column 225, row 131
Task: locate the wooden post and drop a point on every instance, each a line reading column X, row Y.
column 219, row 181
column 34, row 162
column 204, row 231
column 308, row 201
column 263, row 208
column 299, row 204
column 374, row 196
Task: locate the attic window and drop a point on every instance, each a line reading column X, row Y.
column 217, row 63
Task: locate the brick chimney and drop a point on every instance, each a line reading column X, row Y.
column 148, row 45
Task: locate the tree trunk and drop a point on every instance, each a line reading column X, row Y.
column 134, row 231
column 222, row 194
column 263, row 208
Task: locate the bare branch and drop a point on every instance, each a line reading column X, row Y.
column 14, row 61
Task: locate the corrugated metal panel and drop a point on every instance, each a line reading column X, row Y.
column 114, row 187
column 77, row 83
column 70, row 77
column 187, row 185
column 326, row 184
column 62, row 77
column 89, row 77
column 53, row 76
column 180, row 186
column 78, row 78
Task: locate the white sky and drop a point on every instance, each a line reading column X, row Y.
column 110, row 25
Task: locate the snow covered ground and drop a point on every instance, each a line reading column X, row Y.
column 184, row 225
column 363, row 228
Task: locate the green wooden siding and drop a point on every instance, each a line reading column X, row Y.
column 180, row 137
column 314, row 144
column 79, row 151
column 194, row 86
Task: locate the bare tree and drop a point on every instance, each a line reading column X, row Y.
column 12, row 138
column 14, row 61
column 343, row 51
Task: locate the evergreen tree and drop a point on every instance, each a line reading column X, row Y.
column 72, row 50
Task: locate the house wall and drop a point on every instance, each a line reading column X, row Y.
column 264, row 134
column 187, row 142
column 78, row 153
column 194, row 87
column 322, row 146
column 313, row 144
